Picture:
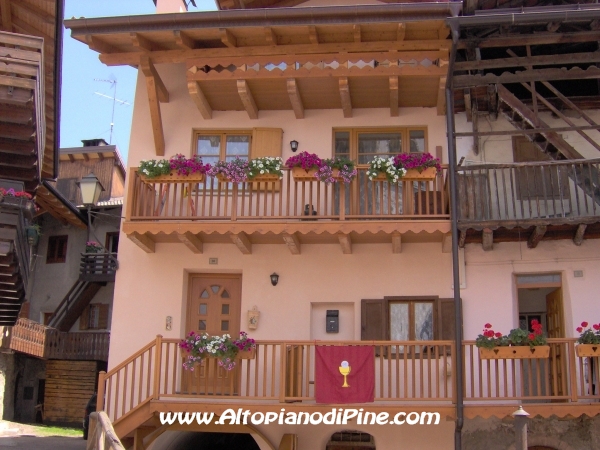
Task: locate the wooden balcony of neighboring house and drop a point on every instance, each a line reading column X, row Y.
column 40, row 341
column 529, row 201
column 415, row 375
column 285, row 211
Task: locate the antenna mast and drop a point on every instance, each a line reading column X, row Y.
column 113, row 83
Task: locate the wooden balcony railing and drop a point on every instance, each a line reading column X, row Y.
column 286, row 200
column 98, row 267
column 536, row 192
column 45, row 342
column 405, row 373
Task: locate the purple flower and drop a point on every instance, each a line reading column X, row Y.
column 304, row 160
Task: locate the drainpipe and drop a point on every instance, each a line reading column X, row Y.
column 458, row 365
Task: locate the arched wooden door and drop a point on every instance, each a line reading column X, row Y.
column 213, row 308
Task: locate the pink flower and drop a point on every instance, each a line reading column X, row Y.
column 531, row 336
column 584, row 324
column 579, row 329
column 488, row 325
column 597, row 326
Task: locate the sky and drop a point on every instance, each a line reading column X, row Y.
column 87, row 104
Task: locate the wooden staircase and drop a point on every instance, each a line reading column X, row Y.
column 550, row 143
column 96, row 269
column 14, row 256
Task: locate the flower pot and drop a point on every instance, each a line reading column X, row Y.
column 173, row 177
column 587, row 350
column 523, row 352
column 264, row 177
column 246, row 354
column 427, row 174
column 300, row 174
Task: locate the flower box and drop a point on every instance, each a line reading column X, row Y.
column 427, row 174
column 587, row 350
column 173, row 177
column 246, row 354
column 264, row 177
column 301, row 174
column 515, row 352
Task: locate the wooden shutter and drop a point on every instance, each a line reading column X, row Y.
column 24, row 312
column 84, row 319
column 266, row 142
column 373, row 320
column 445, row 318
column 103, row 316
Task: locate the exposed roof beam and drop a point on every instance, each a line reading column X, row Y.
column 270, row 36
column 247, row 99
column 228, row 38
column 394, row 97
column 396, row 243
column 242, row 242
column 345, row 97
column 184, row 41
column 200, row 99
column 441, row 98
column 313, row 36
column 345, row 243
column 295, row 99
column 99, row 45
column 153, row 86
column 143, row 241
column 579, row 234
column 293, row 243
column 191, row 241
column 523, row 61
column 142, row 43
column 536, row 236
column 531, row 39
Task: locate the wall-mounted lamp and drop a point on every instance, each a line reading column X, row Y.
column 274, row 279
column 294, row 145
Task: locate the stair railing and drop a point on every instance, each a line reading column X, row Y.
column 101, row 435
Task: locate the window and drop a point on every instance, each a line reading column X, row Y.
column 94, row 317
column 223, row 146
column 112, row 241
column 57, row 249
column 407, row 319
column 46, row 317
column 362, row 145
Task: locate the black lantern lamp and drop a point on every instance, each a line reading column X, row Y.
column 90, row 188
column 294, row 145
column 274, row 279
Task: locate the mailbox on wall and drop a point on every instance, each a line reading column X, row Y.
column 332, row 321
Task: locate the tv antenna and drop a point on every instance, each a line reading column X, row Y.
column 113, row 83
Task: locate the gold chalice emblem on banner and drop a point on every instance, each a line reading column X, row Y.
column 345, row 370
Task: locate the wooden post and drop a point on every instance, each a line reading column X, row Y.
column 572, row 371
column 282, row 373
column 157, row 366
column 101, row 387
column 92, row 430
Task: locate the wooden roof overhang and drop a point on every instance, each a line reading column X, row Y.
column 345, row 57
column 100, row 152
column 51, row 201
column 37, row 18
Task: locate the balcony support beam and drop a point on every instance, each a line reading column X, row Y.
column 228, row 38
column 191, row 241
column 447, row 243
column 247, row 99
column 157, row 92
column 143, row 241
column 441, row 100
column 536, row 236
column 295, row 99
column 394, row 97
column 396, row 243
column 345, row 97
column 345, row 243
column 487, row 239
column 292, row 242
column 243, row 242
column 200, row 99
column 579, row 234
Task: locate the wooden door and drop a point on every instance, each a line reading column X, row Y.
column 556, row 329
column 213, row 308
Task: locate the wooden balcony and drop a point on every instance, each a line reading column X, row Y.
column 416, row 375
column 44, row 342
column 285, row 211
column 533, row 201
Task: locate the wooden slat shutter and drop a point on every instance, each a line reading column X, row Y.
column 84, row 319
column 445, row 319
column 373, row 320
column 103, row 316
column 266, row 142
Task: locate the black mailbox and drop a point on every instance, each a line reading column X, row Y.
column 333, row 321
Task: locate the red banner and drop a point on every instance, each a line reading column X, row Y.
column 344, row 374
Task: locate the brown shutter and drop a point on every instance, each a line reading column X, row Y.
column 84, row 319
column 24, row 312
column 373, row 320
column 446, row 323
column 103, row 316
column 266, row 142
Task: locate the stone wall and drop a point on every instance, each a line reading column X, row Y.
column 7, row 386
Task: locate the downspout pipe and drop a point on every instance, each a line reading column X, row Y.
column 458, row 338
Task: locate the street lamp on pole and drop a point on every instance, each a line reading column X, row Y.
column 520, row 416
column 90, row 188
